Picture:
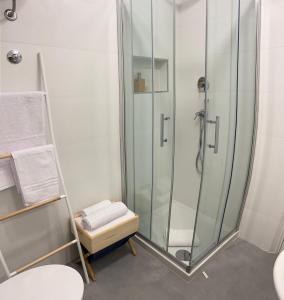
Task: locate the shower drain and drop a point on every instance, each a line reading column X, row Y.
column 183, row 255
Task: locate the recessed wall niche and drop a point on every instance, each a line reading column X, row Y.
column 142, row 75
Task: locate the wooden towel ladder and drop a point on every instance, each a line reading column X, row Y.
column 47, row 201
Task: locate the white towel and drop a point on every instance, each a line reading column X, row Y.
column 36, row 173
column 182, row 238
column 94, row 208
column 104, row 216
column 22, row 125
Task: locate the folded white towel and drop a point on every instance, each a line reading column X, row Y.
column 36, row 173
column 94, row 208
column 22, row 125
column 104, row 216
column 182, row 238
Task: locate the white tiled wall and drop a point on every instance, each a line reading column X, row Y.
column 190, row 66
column 78, row 41
column 263, row 218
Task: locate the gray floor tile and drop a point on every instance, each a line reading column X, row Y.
column 240, row 271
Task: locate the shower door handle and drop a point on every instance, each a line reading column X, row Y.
column 162, row 130
column 217, row 127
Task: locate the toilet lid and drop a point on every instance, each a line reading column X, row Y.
column 50, row 282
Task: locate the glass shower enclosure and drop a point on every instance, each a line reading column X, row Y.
column 188, row 107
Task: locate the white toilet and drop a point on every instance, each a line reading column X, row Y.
column 278, row 275
column 48, row 282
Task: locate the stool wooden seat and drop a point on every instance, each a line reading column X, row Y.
column 99, row 239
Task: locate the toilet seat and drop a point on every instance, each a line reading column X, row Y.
column 48, row 282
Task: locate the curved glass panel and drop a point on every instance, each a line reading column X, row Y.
column 221, row 105
column 246, row 114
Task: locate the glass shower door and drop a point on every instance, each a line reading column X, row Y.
column 163, row 108
column 142, row 111
column 246, row 114
column 221, row 105
column 149, row 108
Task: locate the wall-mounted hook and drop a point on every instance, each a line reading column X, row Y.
column 10, row 13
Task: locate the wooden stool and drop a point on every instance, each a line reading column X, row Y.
column 107, row 237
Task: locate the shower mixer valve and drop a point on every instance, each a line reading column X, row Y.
column 199, row 114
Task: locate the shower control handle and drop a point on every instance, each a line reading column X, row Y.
column 162, row 132
column 217, row 127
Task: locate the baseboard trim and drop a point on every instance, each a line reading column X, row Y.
column 173, row 266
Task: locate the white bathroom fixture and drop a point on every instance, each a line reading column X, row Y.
column 46, row 282
column 278, row 275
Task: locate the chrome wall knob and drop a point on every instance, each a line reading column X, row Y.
column 14, row 56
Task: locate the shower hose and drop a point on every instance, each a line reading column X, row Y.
column 199, row 157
